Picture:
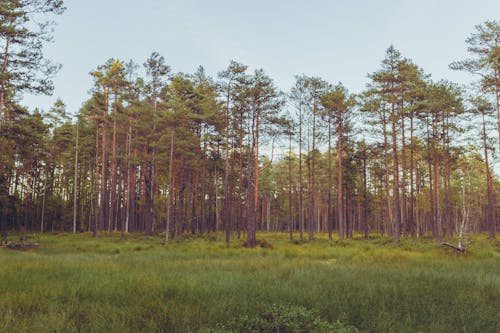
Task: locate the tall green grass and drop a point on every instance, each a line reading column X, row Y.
column 74, row 283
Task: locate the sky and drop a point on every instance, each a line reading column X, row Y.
column 338, row 40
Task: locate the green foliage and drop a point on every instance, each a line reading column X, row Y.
column 283, row 318
column 484, row 50
column 24, row 67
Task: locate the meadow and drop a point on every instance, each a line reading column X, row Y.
column 75, row 283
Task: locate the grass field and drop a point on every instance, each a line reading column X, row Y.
column 74, row 283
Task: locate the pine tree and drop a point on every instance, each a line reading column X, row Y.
column 264, row 105
column 483, row 108
column 386, row 83
column 484, row 47
column 22, row 65
column 234, row 80
column 338, row 103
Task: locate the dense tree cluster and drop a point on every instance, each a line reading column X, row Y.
column 185, row 153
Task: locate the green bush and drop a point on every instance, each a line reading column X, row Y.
column 283, row 318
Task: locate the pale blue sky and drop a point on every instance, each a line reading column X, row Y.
column 337, row 40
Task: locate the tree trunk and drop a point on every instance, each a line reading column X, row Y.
column 256, row 170
column 240, row 192
column 389, row 223
column 253, row 181
column 251, row 210
column 203, row 222
column 227, row 203
column 290, row 202
column 43, row 203
column 194, row 196
column 395, row 175
column 128, row 144
column 437, row 184
column 3, row 112
column 170, row 186
column 153, row 184
column 114, row 172
column 104, row 216
column 489, row 184
column 330, row 179
column 301, row 194
column 146, row 172
column 365, row 197
column 96, row 181
column 497, row 106
column 340, row 195
column 404, row 224
column 312, row 219
column 411, row 215
column 133, row 195
column 216, row 199
column 75, row 178
column 446, row 175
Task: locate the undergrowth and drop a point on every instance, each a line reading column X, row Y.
column 73, row 283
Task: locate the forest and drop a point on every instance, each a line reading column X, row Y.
column 189, row 202
column 156, row 151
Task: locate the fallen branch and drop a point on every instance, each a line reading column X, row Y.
column 456, row 248
column 20, row 246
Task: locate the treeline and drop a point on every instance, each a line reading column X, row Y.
column 157, row 151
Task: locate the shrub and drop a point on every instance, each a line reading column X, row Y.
column 283, row 318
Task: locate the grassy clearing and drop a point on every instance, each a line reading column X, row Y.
column 76, row 283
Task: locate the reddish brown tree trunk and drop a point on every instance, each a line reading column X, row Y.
column 290, row 201
column 114, row 173
column 104, row 216
column 411, row 215
column 491, row 219
column 312, row 219
column 395, row 175
column 330, row 180
column 389, row 223
column 96, row 181
column 340, row 195
column 404, row 224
